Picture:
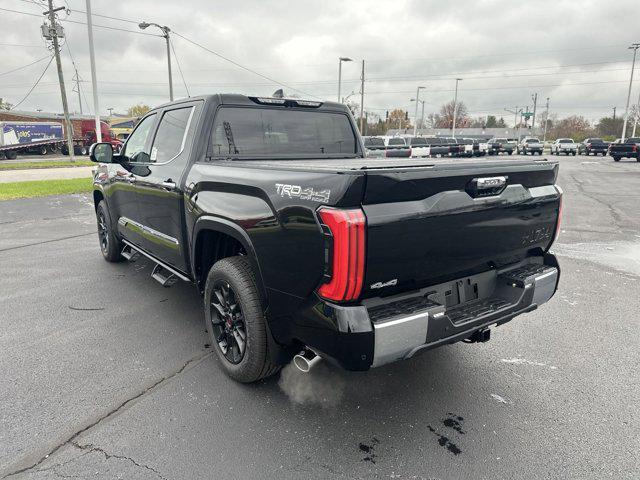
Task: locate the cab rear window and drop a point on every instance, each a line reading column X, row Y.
column 267, row 132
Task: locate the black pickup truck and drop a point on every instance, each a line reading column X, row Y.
column 298, row 242
column 630, row 148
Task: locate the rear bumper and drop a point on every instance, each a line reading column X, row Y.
column 397, row 328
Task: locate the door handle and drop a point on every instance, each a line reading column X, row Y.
column 131, row 179
column 168, row 185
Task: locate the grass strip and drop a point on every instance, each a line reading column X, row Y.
column 36, row 165
column 43, row 188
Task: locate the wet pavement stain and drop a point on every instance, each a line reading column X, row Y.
column 369, row 450
column 453, row 422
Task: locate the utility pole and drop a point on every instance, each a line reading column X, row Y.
column 634, row 47
column 614, row 112
column 52, row 33
column 110, row 110
column 94, row 81
column 546, row 120
column 515, row 112
column 415, row 127
column 362, row 100
column 635, row 117
column 534, row 97
column 455, row 110
column 76, row 78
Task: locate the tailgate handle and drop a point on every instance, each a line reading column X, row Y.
column 486, row 186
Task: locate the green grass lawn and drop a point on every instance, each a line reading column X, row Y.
column 42, row 188
column 54, row 164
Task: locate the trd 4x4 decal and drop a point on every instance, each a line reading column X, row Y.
column 303, row 193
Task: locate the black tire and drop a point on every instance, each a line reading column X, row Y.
column 110, row 245
column 11, row 155
column 64, row 150
column 84, row 150
column 616, row 159
column 235, row 276
column 510, row 152
column 43, row 150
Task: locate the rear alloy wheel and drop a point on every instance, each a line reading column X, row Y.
column 235, row 321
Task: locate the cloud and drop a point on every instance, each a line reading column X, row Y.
column 499, row 47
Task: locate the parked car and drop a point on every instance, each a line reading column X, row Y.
column 397, row 147
column 456, row 149
column 374, row 147
column 564, row 145
column 419, row 147
column 473, row 147
column 530, row 145
column 500, row 145
column 593, row 145
column 298, row 243
column 438, row 147
column 630, row 148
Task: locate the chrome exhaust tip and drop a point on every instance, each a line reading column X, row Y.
column 306, row 360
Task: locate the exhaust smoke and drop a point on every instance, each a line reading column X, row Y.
column 323, row 386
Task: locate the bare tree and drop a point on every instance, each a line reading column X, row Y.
column 445, row 117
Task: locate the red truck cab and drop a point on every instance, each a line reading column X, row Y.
column 89, row 134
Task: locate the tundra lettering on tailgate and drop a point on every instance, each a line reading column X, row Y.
column 303, row 193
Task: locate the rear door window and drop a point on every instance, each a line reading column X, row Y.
column 171, row 135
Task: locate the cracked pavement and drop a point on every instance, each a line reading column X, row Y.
column 104, row 374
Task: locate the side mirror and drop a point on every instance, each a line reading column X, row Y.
column 101, row 153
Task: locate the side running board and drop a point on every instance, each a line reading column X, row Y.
column 129, row 253
column 162, row 273
column 163, row 276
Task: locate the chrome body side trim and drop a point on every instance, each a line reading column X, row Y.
column 125, row 222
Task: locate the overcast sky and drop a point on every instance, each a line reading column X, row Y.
column 574, row 52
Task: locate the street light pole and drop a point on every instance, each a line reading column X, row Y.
column 634, row 47
column 362, row 101
column 455, row 110
column 534, row 97
column 415, row 126
column 165, row 34
column 340, row 60
column 546, row 120
column 635, row 117
column 94, row 81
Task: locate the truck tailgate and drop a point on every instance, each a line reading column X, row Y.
column 431, row 225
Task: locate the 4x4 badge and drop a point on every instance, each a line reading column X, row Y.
column 390, row 283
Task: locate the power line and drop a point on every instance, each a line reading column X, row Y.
column 35, row 84
column 241, row 66
column 391, row 80
column 21, row 45
column 179, row 68
column 82, row 23
column 24, row 66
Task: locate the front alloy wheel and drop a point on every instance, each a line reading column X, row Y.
column 103, row 232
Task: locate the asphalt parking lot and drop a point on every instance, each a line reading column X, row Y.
column 104, row 373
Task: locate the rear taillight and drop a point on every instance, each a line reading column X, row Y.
column 345, row 230
column 559, row 221
column 634, row 148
